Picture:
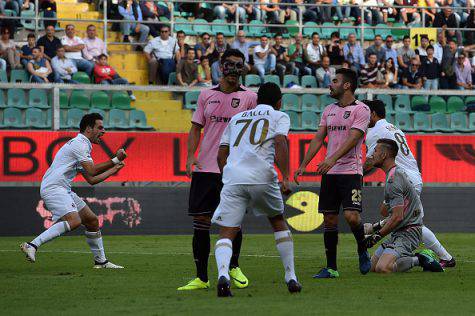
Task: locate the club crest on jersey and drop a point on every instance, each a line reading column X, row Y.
column 347, row 114
column 235, row 102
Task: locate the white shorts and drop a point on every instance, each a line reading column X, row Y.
column 263, row 199
column 62, row 202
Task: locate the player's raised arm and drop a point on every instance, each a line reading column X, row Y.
column 312, row 150
column 96, row 169
column 92, row 180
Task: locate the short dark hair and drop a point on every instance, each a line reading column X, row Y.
column 89, row 120
column 389, row 36
column 406, row 37
column 203, row 57
column 349, row 76
column 315, row 33
column 102, row 56
column 204, row 34
column 335, row 34
column 377, row 35
column 390, row 145
column 219, row 33
column 90, row 25
column 430, row 47
column 376, row 106
column 59, row 47
column 31, row 35
column 269, row 93
column 277, row 35
column 164, row 26
column 181, row 32
column 264, row 35
column 372, row 54
column 36, row 47
column 232, row 52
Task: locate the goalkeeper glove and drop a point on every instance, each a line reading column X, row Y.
column 372, row 240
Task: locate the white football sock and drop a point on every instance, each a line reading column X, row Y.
column 431, row 242
column 51, row 233
column 94, row 240
column 404, row 264
column 223, row 252
column 285, row 246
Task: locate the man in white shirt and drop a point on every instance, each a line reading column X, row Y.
column 250, row 144
column 326, row 73
column 380, row 128
column 439, row 46
column 93, row 45
column 63, row 67
column 69, row 211
column 314, row 53
column 74, row 47
column 264, row 60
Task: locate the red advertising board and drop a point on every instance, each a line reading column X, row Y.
column 161, row 156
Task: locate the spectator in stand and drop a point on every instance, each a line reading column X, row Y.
column 373, row 73
column 49, row 43
column 8, row 50
column 74, row 47
column 26, row 53
column 205, row 48
column 405, row 54
column 283, row 66
column 409, row 15
column 428, row 13
column 470, row 35
column 216, row 71
column 463, row 73
column 204, row 73
column 48, row 7
column 378, row 49
column 183, row 47
column 448, row 79
column 354, row 53
column 93, row 45
column 430, row 70
column 220, row 46
column 343, row 11
column 392, row 78
column 335, row 49
column 314, row 53
column 412, row 77
column 27, row 6
column 325, row 73
column 420, row 51
column 39, row 68
column 388, row 11
column 130, row 10
column 270, row 11
column 296, row 56
column 105, row 74
column 439, row 46
column 252, row 10
column 243, row 46
column 187, row 70
column 447, row 18
column 288, row 12
column 227, row 11
column 63, row 67
column 346, row 64
column 325, row 11
column 390, row 51
column 150, row 13
column 161, row 53
column 264, row 60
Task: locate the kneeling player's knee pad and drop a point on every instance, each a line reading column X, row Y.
column 201, row 225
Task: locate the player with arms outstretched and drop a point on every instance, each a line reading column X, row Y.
column 249, row 146
column 380, row 128
column 69, row 211
column 345, row 122
column 403, row 210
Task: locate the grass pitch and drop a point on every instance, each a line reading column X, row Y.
column 62, row 280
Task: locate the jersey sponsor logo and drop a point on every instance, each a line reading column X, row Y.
column 214, row 102
column 336, row 128
column 235, row 102
column 457, row 152
column 219, row 119
column 331, row 114
column 347, row 114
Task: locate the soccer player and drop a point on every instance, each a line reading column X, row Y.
column 380, row 128
column 69, row 211
column 215, row 108
column 345, row 122
column 404, row 210
column 249, row 146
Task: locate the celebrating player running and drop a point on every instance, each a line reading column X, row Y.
column 69, row 211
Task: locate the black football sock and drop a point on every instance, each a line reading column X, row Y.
column 236, row 251
column 201, row 249
column 358, row 232
column 330, row 239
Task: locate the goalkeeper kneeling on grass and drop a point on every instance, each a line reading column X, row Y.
column 403, row 208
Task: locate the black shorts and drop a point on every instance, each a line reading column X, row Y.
column 340, row 190
column 205, row 190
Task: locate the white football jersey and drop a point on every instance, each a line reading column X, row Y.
column 404, row 159
column 250, row 136
column 67, row 163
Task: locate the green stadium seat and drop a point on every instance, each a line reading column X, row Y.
column 187, row 28
column 382, row 30
column 225, row 29
column 37, row 98
column 12, row 118
column 3, row 76
column 138, row 120
column 290, row 102
column 79, row 99
column 252, row 80
column 191, row 99
column 117, row 119
column 19, row 75
column 99, row 111
column 390, row 118
column 403, row 121
column 439, row 123
column 437, row 104
column 100, row 100
column 421, row 122
column 471, row 122
column 172, row 79
column 203, row 28
column 81, row 77
column 361, row 96
column 458, row 122
column 27, row 20
column 455, row 104
column 294, row 121
column 328, row 30
column 418, row 100
column 399, row 33
column 272, row 78
column 387, row 100
column 368, row 33
column 3, row 104
column 63, row 100
column 16, row 98
column 120, row 100
column 310, row 121
column 470, row 99
column 292, row 27
column 325, row 100
column 35, row 119
column 310, row 102
column 312, row 27
column 344, row 32
column 402, row 103
column 74, row 117
column 290, row 78
column 309, row 81
column 255, row 29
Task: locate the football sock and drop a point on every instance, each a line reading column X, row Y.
column 201, row 248
column 330, row 239
column 223, row 252
column 51, row 233
column 285, row 246
column 431, row 242
column 94, row 240
column 358, row 232
column 236, row 250
column 405, row 263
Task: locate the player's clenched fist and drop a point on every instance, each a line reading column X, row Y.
column 121, row 154
column 119, row 166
